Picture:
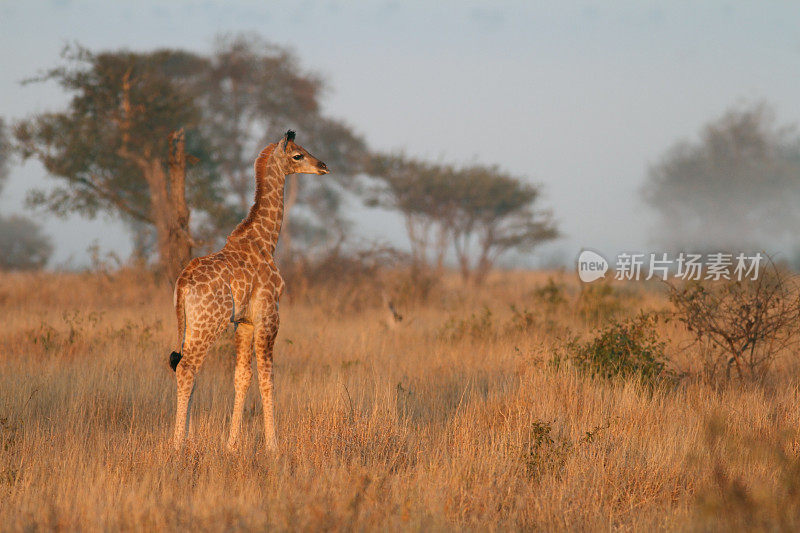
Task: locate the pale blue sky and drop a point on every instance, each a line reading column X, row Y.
column 578, row 96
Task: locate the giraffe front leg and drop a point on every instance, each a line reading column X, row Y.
column 243, row 375
column 265, row 335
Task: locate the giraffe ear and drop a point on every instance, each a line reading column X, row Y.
column 288, row 137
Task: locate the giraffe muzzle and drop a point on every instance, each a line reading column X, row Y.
column 323, row 168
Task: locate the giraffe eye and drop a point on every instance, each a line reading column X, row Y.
column 297, row 157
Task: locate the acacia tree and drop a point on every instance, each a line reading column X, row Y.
column 253, row 92
column 480, row 210
column 422, row 193
column 738, row 185
column 120, row 146
column 495, row 212
column 253, row 88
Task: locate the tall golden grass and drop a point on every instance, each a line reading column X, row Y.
column 454, row 419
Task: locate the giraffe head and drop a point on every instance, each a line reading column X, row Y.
column 296, row 159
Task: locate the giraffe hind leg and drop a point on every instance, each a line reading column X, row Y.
column 242, row 378
column 185, row 373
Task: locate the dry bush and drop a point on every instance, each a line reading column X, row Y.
column 477, row 326
column 544, row 309
column 340, row 266
column 740, row 324
column 352, row 281
column 551, row 295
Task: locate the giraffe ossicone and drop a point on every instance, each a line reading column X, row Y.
column 239, row 284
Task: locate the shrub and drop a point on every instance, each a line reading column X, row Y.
column 351, row 279
column 542, row 453
column 413, row 285
column 550, row 295
column 522, row 320
column 625, row 349
column 743, row 324
column 477, row 326
column 547, row 300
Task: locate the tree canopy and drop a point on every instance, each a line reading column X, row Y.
column 121, row 145
column 422, row 192
column 110, row 149
column 124, row 106
column 737, row 186
column 481, row 211
column 495, row 212
column 255, row 91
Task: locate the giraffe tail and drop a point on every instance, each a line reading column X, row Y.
column 180, row 311
column 174, row 359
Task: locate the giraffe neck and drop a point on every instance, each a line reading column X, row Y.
column 262, row 226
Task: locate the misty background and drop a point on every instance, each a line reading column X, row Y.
column 583, row 98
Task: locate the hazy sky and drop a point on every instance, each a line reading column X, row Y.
column 579, row 96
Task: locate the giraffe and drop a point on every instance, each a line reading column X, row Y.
column 242, row 285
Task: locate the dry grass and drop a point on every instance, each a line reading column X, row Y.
column 455, row 420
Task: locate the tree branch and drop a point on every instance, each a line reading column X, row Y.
column 114, row 198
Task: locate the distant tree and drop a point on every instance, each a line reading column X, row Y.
column 120, row 146
column 738, row 186
column 495, row 212
column 116, row 149
column 480, row 210
column 254, row 92
column 423, row 194
column 23, row 245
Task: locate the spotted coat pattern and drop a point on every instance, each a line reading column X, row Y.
column 239, row 284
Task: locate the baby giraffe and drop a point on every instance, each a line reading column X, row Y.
column 239, row 284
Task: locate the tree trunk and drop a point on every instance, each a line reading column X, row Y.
column 462, row 254
column 484, row 264
column 441, row 248
column 169, row 212
column 179, row 247
column 481, row 271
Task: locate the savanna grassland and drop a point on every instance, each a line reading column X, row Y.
column 469, row 414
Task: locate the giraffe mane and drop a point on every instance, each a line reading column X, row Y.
column 261, row 163
column 261, row 184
